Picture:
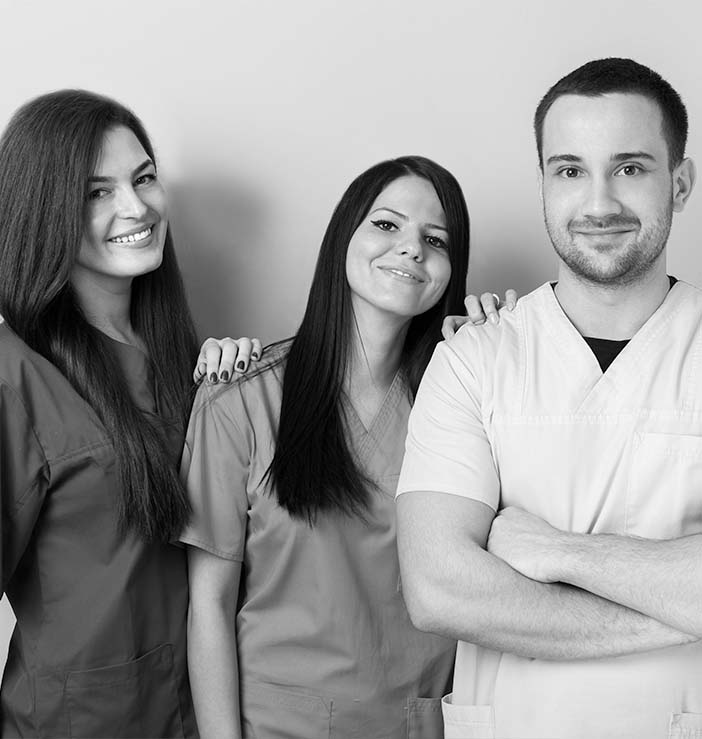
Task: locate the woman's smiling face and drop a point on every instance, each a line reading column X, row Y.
column 397, row 261
column 126, row 214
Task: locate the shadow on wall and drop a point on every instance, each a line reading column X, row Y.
column 217, row 227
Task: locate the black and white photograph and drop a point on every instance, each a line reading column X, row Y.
column 351, row 369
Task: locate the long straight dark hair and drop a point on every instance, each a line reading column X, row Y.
column 313, row 469
column 47, row 153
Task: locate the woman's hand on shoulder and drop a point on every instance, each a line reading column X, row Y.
column 480, row 309
column 219, row 359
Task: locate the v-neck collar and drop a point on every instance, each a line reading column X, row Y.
column 363, row 438
column 598, row 385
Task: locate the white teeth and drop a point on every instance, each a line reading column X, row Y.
column 132, row 237
column 403, row 274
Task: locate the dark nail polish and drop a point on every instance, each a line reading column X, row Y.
column 254, row 356
column 240, row 366
column 224, row 376
column 213, row 378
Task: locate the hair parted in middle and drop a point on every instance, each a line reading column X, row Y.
column 313, row 469
column 615, row 75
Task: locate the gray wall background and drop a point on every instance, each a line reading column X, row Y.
column 262, row 113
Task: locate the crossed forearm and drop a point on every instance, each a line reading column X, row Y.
column 453, row 586
column 661, row 578
column 501, row 609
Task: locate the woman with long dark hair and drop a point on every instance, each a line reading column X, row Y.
column 90, row 428
column 297, row 627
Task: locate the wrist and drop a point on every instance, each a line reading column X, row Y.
column 565, row 555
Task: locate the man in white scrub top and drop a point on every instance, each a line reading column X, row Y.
column 550, row 502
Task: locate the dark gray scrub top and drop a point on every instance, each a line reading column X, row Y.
column 325, row 645
column 99, row 645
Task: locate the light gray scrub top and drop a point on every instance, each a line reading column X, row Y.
column 325, row 644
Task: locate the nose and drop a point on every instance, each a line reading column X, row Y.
column 601, row 198
column 130, row 205
column 411, row 245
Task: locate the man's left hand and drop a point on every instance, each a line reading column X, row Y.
column 527, row 544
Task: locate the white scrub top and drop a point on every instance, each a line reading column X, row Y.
column 521, row 414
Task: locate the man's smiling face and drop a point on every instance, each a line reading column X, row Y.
column 608, row 190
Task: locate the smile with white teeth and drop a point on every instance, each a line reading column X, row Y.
column 401, row 273
column 132, row 238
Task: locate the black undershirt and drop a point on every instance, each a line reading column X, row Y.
column 607, row 350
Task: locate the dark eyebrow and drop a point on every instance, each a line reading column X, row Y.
column 396, row 212
column 144, row 165
column 563, row 158
column 632, row 155
column 621, row 157
column 404, row 217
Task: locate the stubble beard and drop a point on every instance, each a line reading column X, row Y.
column 631, row 262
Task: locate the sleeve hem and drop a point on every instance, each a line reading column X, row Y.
column 207, row 547
column 447, row 492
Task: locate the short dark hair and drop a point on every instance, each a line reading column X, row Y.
column 603, row 76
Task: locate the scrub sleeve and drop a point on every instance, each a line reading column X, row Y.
column 325, row 644
column 521, row 414
column 99, row 645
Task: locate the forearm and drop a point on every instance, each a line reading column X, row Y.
column 661, row 578
column 490, row 604
column 213, row 670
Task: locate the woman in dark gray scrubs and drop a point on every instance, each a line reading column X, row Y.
column 90, row 428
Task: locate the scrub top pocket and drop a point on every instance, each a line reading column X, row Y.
column 685, row 726
column 273, row 713
column 133, row 699
column 663, row 500
column 467, row 722
column 424, row 719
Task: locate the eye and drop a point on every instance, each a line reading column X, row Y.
column 384, row 225
column 569, row 173
column 145, row 179
column 629, row 170
column 436, row 242
column 98, row 193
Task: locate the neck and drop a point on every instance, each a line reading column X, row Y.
column 106, row 306
column 376, row 351
column 611, row 311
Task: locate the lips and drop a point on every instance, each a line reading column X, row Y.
column 134, row 236
column 602, row 231
column 402, row 273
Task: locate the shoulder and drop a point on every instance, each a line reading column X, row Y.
column 687, row 296
column 24, row 371
column 62, row 422
column 481, row 346
column 261, row 384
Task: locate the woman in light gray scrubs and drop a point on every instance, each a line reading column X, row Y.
column 297, row 626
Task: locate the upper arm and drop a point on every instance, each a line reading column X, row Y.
column 24, row 480
column 213, row 580
column 447, row 448
column 215, row 470
column 441, row 539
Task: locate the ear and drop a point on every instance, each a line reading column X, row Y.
column 684, row 176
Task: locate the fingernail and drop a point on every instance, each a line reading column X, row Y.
column 213, row 378
column 493, row 319
column 224, row 376
column 240, row 366
column 254, row 355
